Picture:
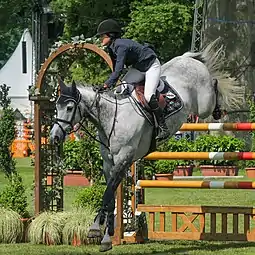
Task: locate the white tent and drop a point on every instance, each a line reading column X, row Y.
column 18, row 74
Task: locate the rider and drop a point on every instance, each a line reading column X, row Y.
column 143, row 58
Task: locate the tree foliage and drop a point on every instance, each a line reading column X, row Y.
column 83, row 16
column 15, row 16
column 7, row 132
column 167, row 26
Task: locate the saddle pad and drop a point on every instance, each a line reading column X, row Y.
column 173, row 104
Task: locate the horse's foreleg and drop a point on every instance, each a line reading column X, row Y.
column 95, row 230
column 109, row 201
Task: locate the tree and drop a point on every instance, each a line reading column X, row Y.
column 83, row 16
column 15, row 16
column 7, row 132
column 167, row 26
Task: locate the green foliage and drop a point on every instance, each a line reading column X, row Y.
column 11, row 227
column 71, row 152
column 90, row 68
column 15, row 15
column 77, row 225
column 84, row 154
column 90, row 196
column 165, row 25
column 209, row 143
column 82, row 17
column 90, row 158
column 173, row 145
column 13, row 195
column 7, row 131
column 251, row 163
column 165, row 166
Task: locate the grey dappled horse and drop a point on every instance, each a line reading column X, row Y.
column 125, row 135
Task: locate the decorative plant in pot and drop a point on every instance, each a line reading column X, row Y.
column 210, row 143
column 175, row 167
column 164, row 169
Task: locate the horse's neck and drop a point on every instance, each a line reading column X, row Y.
column 99, row 110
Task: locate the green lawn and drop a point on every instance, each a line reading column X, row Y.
column 153, row 196
column 163, row 248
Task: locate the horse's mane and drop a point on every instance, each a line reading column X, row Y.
column 109, row 93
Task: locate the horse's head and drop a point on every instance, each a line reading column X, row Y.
column 68, row 112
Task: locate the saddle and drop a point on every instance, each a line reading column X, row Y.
column 169, row 100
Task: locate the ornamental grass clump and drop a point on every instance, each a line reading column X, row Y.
column 11, row 227
column 47, row 228
column 77, row 226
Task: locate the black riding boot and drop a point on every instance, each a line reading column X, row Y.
column 163, row 129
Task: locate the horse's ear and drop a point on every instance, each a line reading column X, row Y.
column 74, row 86
column 61, row 83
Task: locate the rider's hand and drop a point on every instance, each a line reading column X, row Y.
column 101, row 88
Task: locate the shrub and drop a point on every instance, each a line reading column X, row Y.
column 13, row 195
column 209, row 143
column 84, row 154
column 165, row 166
column 7, row 132
column 72, row 150
column 90, row 196
column 11, row 227
column 90, row 158
column 173, row 145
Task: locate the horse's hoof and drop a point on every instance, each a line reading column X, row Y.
column 105, row 247
column 94, row 233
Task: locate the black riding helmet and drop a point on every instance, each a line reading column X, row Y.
column 109, row 27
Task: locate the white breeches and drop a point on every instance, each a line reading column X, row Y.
column 152, row 77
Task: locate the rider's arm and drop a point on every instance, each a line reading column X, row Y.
column 119, row 65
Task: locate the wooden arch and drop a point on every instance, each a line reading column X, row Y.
column 40, row 107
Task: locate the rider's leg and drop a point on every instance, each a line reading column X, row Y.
column 152, row 77
column 133, row 76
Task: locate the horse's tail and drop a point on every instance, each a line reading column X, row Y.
column 213, row 57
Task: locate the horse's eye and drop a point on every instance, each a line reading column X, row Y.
column 69, row 108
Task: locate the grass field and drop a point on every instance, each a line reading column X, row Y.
column 153, row 196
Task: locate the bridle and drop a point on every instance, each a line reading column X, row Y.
column 76, row 100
